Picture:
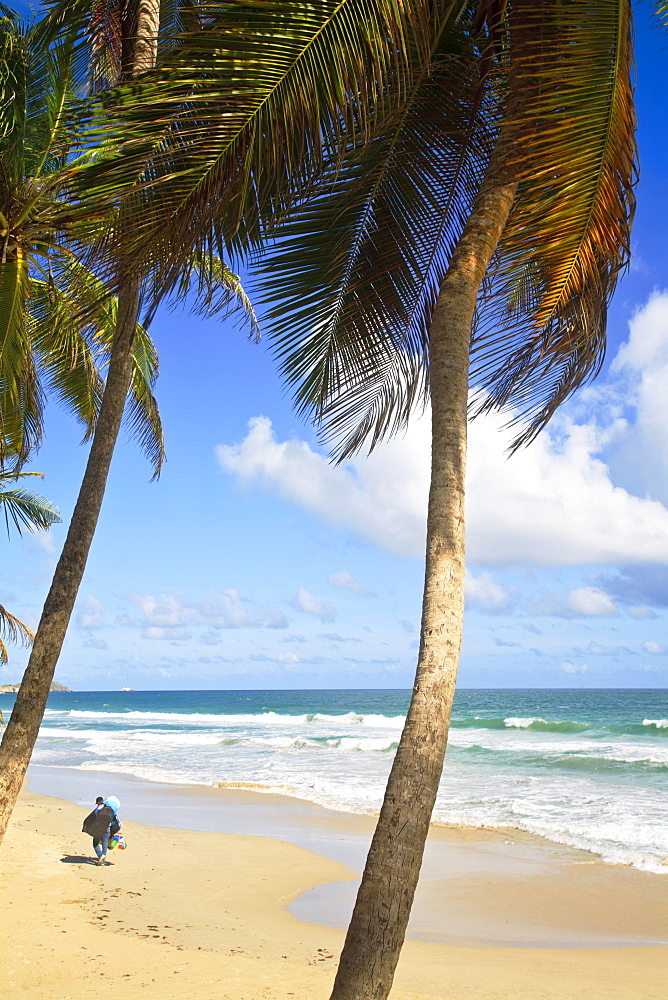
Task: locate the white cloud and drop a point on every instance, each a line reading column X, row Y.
column 592, row 601
column 482, row 592
column 155, row 632
column 651, row 646
column 573, row 668
column 582, row 602
column 382, row 497
column 554, row 503
column 225, row 609
column 312, row 605
column 641, row 611
column 90, row 612
column 642, row 364
column 344, row 579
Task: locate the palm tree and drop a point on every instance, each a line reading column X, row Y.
column 496, row 232
column 23, row 509
column 129, row 364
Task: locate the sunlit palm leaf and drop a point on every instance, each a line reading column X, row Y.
column 21, row 396
column 242, row 110
column 24, row 509
column 542, row 317
column 357, row 272
column 569, row 232
column 56, row 318
column 12, row 630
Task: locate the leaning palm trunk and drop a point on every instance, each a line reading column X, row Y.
column 378, row 925
column 23, row 727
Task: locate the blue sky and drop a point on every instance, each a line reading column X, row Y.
column 254, row 563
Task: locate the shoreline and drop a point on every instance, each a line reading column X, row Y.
column 207, row 914
column 509, row 886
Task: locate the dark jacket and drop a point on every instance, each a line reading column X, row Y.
column 97, row 822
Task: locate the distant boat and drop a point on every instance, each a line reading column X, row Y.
column 126, row 689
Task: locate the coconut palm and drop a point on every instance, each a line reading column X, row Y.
column 22, row 509
column 54, row 43
column 490, row 221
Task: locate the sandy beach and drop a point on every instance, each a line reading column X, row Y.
column 238, row 916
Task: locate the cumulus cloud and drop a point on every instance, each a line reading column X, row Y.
column 574, row 668
column 484, row 593
column 156, row 632
column 590, row 601
column 90, row 612
column 344, row 579
column 581, row 602
column 651, row 646
column 551, row 504
column 222, row 610
column 641, row 365
column 313, row 605
column 382, row 498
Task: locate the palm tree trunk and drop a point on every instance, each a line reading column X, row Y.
column 23, row 726
column 378, row 925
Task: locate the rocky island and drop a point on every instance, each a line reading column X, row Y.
column 13, row 688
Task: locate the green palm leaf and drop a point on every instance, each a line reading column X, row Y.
column 24, row 509
column 21, row 396
column 541, row 325
column 360, row 366
column 358, row 270
column 233, row 137
column 56, row 317
column 12, row 630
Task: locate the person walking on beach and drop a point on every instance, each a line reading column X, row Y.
column 101, row 824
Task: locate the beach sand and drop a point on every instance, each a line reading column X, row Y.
column 205, row 915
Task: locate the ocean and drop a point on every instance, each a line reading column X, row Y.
column 584, row 768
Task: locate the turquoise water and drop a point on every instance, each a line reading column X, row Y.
column 585, row 768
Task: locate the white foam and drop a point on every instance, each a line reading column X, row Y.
column 261, row 718
column 659, row 723
column 515, row 723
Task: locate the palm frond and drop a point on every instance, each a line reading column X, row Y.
column 541, row 320
column 24, row 509
column 217, row 290
column 21, row 394
column 13, row 630
column 356, row 272
column 234, row 137
column 79, row 332
column 541, row 324
column 65, row 357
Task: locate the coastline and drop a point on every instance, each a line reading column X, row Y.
column 209, row 911
column 478, row 887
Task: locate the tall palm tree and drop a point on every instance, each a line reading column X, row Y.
column 22, row 509
column 132, row 30
column 496, row 233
